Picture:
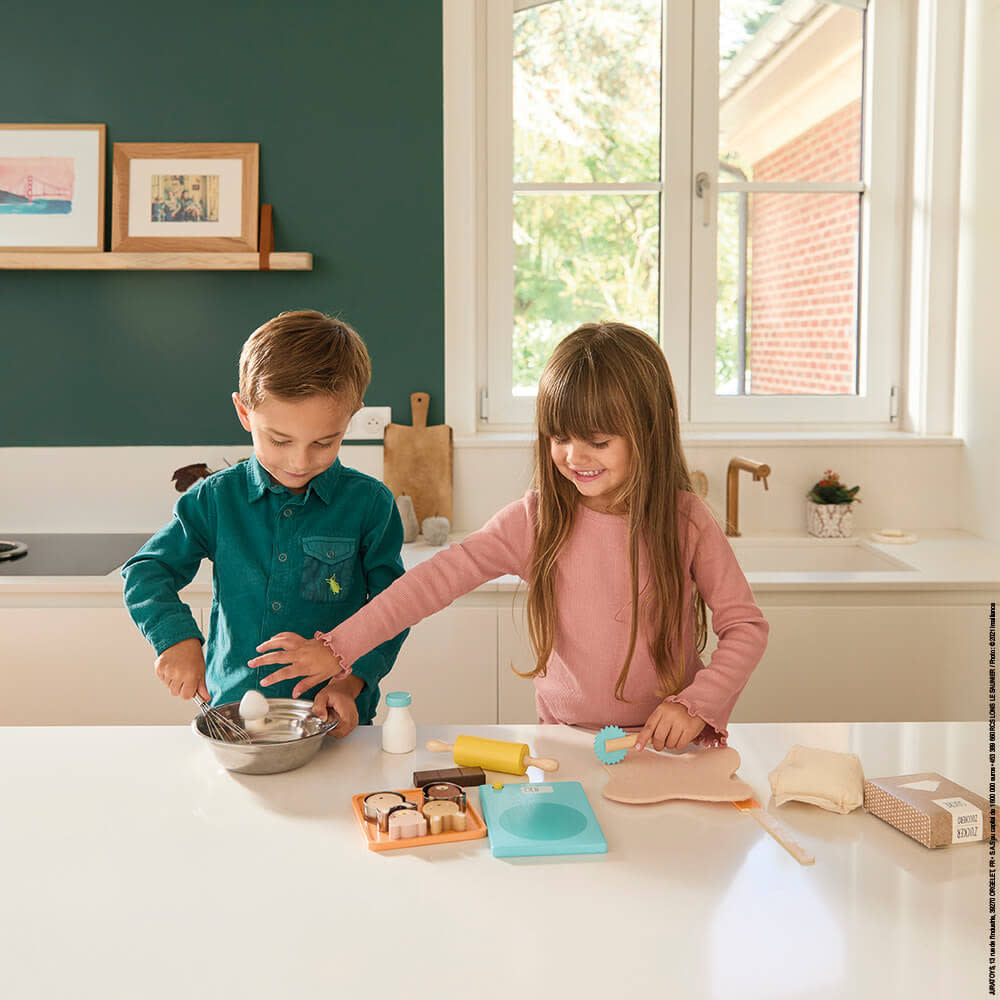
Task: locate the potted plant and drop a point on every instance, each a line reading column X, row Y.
column 829, row 507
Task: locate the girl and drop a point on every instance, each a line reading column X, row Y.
column 620, row 557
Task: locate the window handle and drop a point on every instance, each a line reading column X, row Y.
column 703, row 189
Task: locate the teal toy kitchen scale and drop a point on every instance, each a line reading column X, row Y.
column 548, row 818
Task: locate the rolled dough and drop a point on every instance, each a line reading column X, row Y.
column 708, row 775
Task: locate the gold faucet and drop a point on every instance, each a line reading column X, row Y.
column 759, row 470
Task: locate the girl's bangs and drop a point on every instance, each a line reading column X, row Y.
column 576, row 404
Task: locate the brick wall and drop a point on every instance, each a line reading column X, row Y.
column 802, row 331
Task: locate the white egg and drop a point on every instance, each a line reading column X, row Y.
column 253, row 706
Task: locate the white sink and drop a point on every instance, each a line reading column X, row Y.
column 820, row 555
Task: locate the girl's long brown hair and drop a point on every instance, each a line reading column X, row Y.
column 609, row 378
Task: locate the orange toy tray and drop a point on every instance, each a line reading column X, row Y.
column 377, row 841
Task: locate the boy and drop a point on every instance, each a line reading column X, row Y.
column 298, row 542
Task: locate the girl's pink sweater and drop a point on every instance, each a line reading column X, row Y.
column 594, row 600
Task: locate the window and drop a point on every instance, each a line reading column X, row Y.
column 712, row 172
column 789, row 218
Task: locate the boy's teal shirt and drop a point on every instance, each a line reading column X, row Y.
column 283, row 562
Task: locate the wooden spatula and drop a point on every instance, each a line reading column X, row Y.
column 776, row 829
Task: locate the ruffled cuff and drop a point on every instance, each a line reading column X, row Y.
column 713, row 735
column 328, row 641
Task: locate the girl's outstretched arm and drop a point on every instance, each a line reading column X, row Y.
column 311, row 659
column 503, row 546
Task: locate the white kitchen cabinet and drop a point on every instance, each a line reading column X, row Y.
column 449, row 664
column 80, row 666
column 74, row 657
column 869, row 663
column 865, row 660
column 91, row 666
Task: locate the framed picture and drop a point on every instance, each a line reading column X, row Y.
column 51, row 187
column 184, row 196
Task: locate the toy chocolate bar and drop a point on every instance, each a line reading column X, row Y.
column 464, row 776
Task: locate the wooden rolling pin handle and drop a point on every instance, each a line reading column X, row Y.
column 542, row 763
column 621, row 743
column 439, row 746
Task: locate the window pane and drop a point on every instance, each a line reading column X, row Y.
column 587, row 91
column 800, row 292
column 580, row 259
column 789, row 92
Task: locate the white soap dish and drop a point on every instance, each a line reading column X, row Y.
column 893, row 536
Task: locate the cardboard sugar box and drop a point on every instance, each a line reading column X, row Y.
column 929, row 808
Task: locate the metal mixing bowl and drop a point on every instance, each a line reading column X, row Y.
column 289, row 737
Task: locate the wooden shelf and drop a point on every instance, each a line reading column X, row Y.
column 221, row 261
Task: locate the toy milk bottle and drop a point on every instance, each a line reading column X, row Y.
column 399, row 731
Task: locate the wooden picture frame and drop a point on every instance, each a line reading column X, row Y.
column 169, row 196
column 51, row 187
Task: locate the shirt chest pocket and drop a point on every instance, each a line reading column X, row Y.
column 327, row 568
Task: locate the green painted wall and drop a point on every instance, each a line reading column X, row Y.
column 345, row 100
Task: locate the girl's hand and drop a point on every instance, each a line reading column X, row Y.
column 669, row 726
column 310, row 659
column 338, row 697
column 182, row 668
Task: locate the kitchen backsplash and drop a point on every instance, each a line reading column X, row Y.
column 919, row 485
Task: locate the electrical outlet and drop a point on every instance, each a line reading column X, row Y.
column 368, row 424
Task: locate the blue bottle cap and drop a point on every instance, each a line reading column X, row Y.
column 398, row 699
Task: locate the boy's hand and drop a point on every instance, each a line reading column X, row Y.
column 182, row 668
column 669, row 726
column 310, row 659
column 339, row 697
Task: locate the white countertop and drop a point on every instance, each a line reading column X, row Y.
column 947, row 561
column 130, row 858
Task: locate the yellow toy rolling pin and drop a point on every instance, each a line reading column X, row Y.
column 493, row 755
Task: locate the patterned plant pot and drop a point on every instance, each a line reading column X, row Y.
column 830, row 520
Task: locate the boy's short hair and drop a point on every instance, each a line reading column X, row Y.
column 304, row 353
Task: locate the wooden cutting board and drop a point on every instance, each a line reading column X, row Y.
column 417, row 461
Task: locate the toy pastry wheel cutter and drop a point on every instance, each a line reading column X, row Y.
column 612, row 743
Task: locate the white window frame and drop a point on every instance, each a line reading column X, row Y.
column 476, row 195
column 882, row 240
column 672, row 188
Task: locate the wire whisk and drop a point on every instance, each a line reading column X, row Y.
column 219, row 726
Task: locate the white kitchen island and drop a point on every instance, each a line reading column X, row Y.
column 134, row 867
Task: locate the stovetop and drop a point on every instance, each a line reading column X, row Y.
column 90, row 554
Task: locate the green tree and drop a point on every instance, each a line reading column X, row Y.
column 586, row 83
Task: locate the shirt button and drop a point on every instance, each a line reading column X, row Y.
column 276, row 605
column 282, row 557
column 286, row 512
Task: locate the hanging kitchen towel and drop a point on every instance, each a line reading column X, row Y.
column 417, row 461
